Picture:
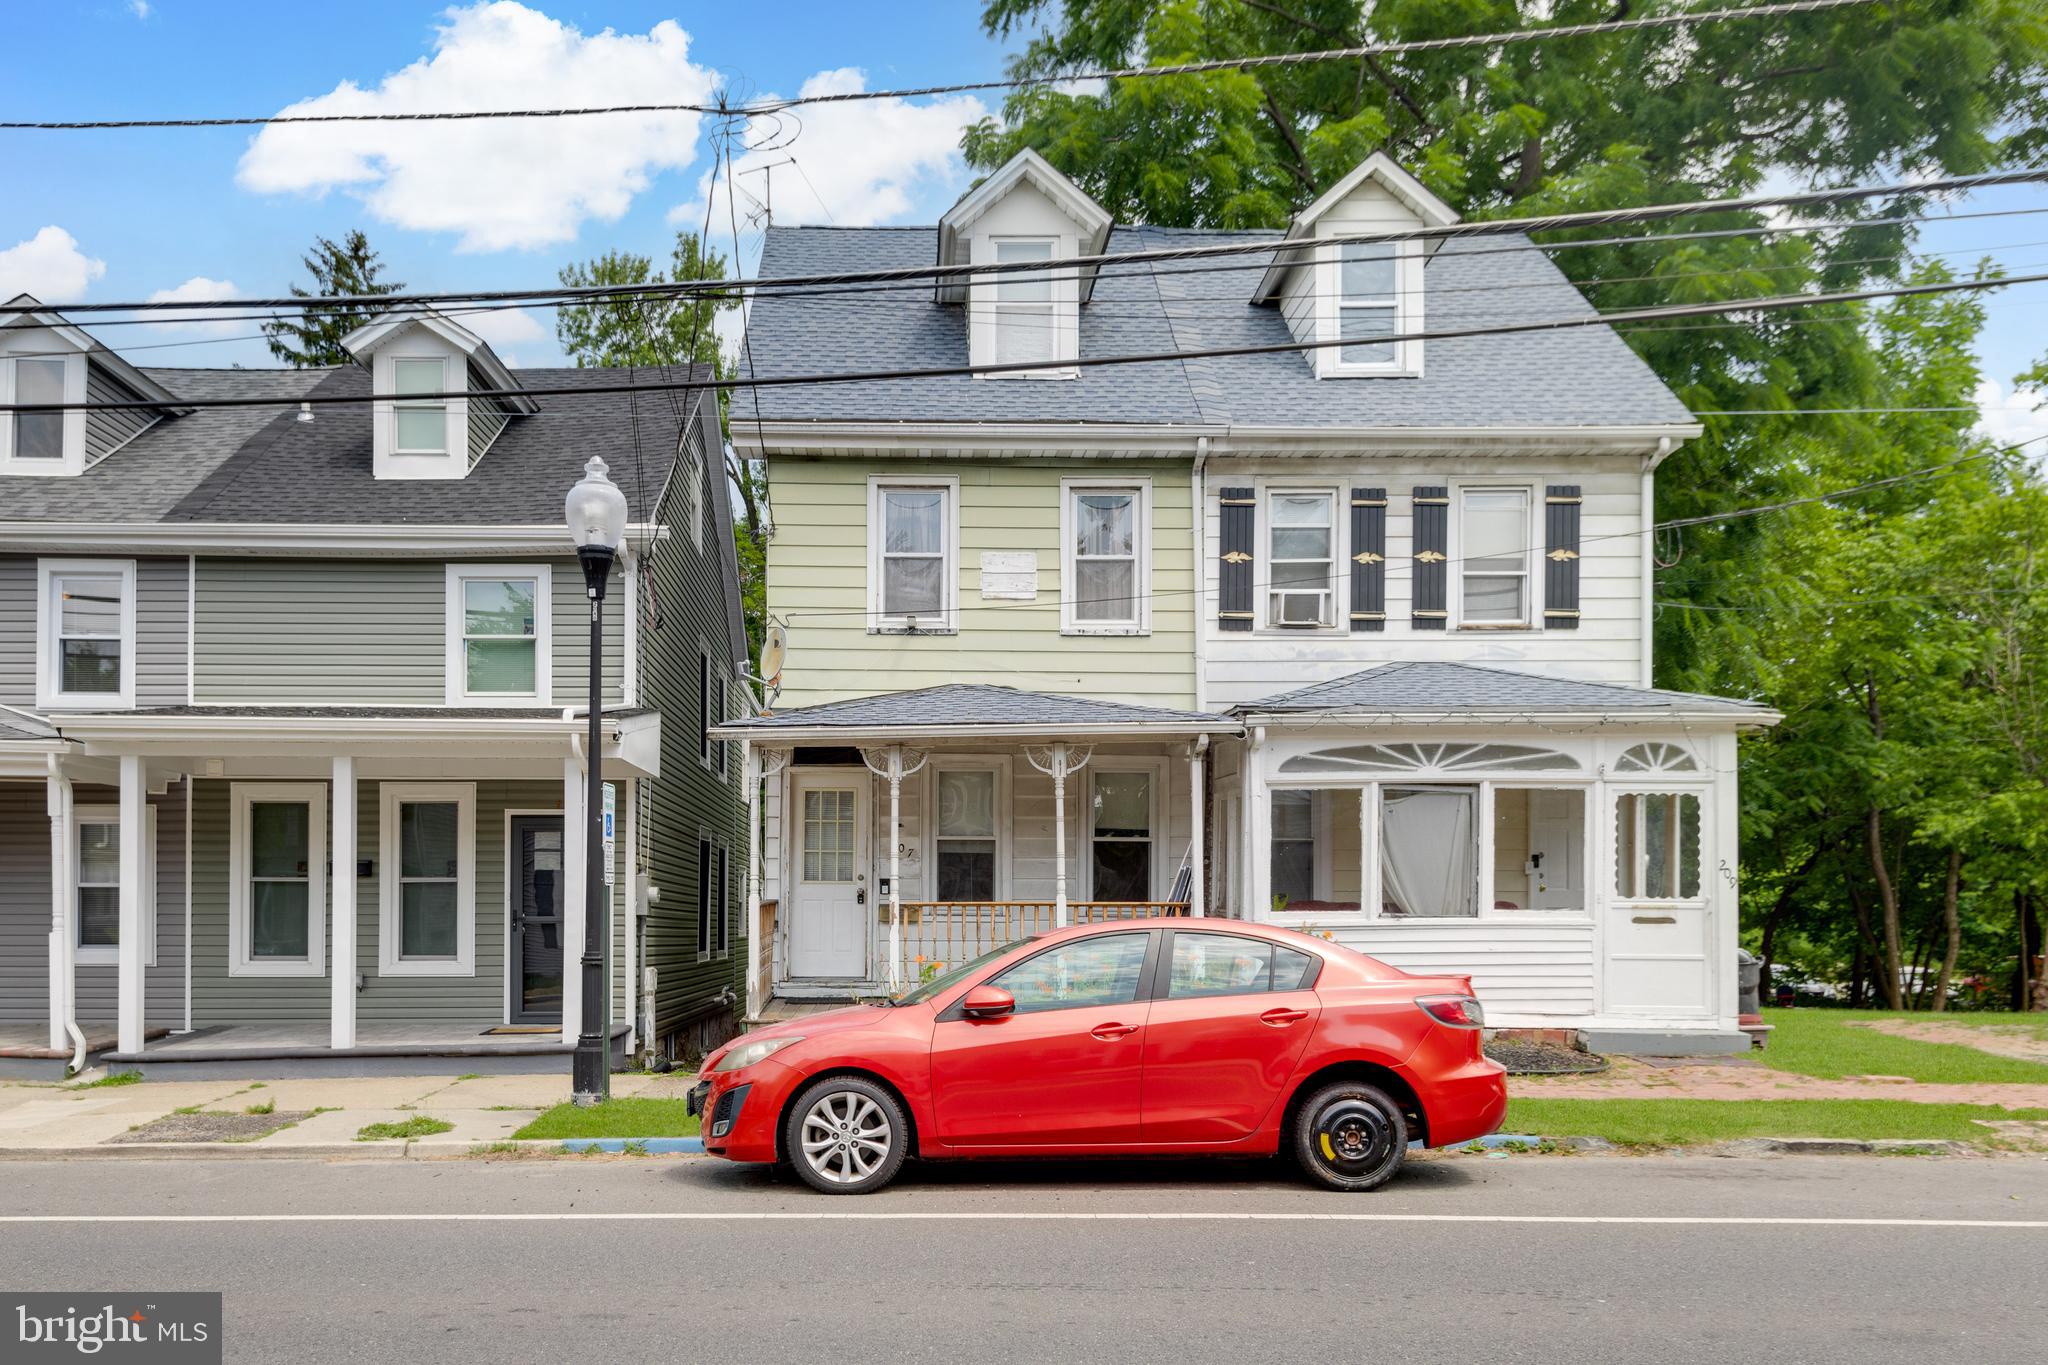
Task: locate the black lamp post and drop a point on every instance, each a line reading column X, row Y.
column 597, row 522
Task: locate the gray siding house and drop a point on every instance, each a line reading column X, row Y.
column 292, row 706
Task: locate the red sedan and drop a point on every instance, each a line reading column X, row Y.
column 1177, row 1037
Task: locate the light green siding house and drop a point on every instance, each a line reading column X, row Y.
column 292, row 717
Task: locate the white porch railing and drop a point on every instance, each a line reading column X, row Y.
column 938, row 936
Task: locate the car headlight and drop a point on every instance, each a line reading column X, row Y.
column 746, row 1054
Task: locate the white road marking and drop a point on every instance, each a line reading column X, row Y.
column 885, row 1216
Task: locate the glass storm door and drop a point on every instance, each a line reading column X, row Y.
column 536, row 957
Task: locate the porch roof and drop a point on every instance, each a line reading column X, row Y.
column 971, row 710
column 1446, row 689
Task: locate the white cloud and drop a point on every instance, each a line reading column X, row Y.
column 198, row 289
column 139, row 8
column 503, row 328
column 2012, row 417
column 48, row 265
column 500, row 183
column 857, row 164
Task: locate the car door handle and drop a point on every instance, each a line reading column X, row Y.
column 1109, row 1033
column 1281, row 1018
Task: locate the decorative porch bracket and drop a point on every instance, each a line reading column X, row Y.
column 1057, row 761
column 892, row 767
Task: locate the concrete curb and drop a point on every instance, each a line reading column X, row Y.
column 1842, row 1147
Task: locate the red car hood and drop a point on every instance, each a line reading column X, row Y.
column 811, row 1026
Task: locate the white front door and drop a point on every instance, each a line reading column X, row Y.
column 1658, row 931
column 828, row 919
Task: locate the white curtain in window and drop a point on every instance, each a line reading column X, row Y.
column 1427, row 860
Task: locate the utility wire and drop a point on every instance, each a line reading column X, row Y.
column 762, row 108
column 1768, row 303
column 1296, row 249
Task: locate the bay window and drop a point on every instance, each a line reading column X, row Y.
column 426, row 912
column 277, row 879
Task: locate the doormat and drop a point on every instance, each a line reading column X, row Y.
column 523, row 1028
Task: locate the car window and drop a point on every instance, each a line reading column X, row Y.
column 1218, row 964
column 1291, row 970
column 1086, row 972
column 947, row 980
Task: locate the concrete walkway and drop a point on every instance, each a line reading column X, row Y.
column 1633, row 1080
column 483, row 1109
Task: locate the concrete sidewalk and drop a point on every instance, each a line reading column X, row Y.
column 1630, row 1079
column 313, row 1117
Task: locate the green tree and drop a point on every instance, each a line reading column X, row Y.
column 664, row 332
column 344, row 268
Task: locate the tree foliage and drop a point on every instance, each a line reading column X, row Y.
column 347, row 267
column 1900, row 631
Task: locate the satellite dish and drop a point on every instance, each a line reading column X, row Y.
column 774, row 645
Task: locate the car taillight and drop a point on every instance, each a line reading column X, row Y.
column 1459, row 1011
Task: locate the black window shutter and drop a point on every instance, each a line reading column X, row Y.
column 1239, row 525
column 724, row 903
column 1430, row 531
column 703, row 898
column 1368, row 559
column 1561, row 557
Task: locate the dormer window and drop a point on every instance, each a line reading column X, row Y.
column 38, row 435
column 1374, row 293
column 46, row 443
column 1024, row 318
column 420, row 425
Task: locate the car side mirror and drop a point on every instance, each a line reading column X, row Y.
column 988, row 1002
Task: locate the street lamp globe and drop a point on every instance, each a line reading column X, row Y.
column 596, row 509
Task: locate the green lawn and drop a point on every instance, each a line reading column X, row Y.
column 1679, row 1123
column 1823, row 1042
column 419, row 1125
column 623, row 1118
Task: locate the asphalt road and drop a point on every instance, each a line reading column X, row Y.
column 1464, row 1259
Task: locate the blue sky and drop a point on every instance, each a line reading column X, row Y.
column 218, row 212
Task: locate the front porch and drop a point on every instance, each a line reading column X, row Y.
column 343, row 891
column 904, row 834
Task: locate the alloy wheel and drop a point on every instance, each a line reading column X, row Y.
column 845, row 1136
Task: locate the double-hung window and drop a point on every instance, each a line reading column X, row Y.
column 96, row 919
column 1105, row 580
column 426, row 911
column 277, row 879
column 86, row 643
column 1368, row 303
column 913, row 539
column 1120, row 837
column 1025, row 317
column 38, row 437
column 964, row 827
column 498, row 634
column 419, row 424
column 1493, row 552
column 1301, row 550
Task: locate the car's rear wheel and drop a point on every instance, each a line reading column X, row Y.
column 1350, row 1136
column 845, row 1135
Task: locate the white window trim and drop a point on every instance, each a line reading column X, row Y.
column 1262, row 561
column 1062, row 312
column 72, row 462
column 1610, row 885
column 1531, row 555
column 706, row 947
column 390, row 929
column 445, row 406
column 457, row 677
column 451, row 462
column 999, row 764
column 707, row 707
column 949, row 577
column 102, row 955
column 48, row 693
column 1141, row 549
column 1155, row 769
column 1408, row 315
column 241, row 796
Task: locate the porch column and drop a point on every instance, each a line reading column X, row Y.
column 1258, row 827
column 572, row 897
column 1056, row 762
column 134, row 868
column 893, row 769
column 629, row 968
column 63, row 929
column 750, row 777
column 341, row 971
column 1197, row 905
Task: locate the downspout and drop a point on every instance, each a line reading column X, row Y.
column 61, row 902
column 1198, row 502
column 1648, row 560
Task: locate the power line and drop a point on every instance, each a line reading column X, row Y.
column 1768, row 303
column 1293, row 247
column 762, row 108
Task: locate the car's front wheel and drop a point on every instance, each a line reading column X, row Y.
column 1350, row 1136
column 845, row 1135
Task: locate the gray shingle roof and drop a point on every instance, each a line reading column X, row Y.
column 261, row 465
column 974, row 704
column 16, row 726
column 1579, row 377
column 356, row 713
column 1436, row 687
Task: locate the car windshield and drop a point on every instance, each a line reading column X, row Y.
column 926, row 990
